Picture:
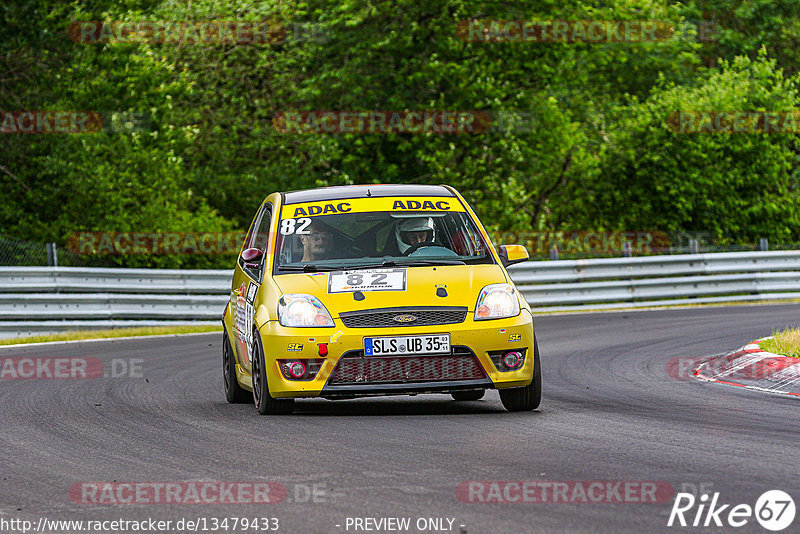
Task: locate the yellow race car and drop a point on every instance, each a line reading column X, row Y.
column 352, row 291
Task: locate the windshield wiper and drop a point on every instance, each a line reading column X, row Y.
column 408, row 262
column 403, row 263
column 307, row 268
column 431, row 262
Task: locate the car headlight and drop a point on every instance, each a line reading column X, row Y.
column 302, row 310
column 496, row 301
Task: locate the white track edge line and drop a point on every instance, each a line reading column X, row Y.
column 70, row 341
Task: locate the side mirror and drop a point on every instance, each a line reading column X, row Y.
column 252, row 257
column 511, row 254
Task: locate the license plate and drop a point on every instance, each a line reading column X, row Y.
column 431, row 344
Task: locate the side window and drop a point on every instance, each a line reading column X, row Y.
column 462, row 237
column 473, row 243
column 258, row 237
column 261, row 236
column 249, row 238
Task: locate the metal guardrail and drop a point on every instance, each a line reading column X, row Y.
column 659, row 280
column 113, row 280
column 49, row 299
column 40, row 300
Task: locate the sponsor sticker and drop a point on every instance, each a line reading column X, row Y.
column 367, row 280
column 243, row 318
column 252, row 289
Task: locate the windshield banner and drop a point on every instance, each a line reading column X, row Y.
column 362, row 205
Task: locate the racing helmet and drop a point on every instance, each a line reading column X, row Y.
column 406, row 227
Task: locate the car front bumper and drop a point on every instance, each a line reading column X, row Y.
column 475, row 337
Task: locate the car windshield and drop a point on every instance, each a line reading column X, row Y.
column 361, row 233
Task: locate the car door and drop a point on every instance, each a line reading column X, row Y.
column 246, row 281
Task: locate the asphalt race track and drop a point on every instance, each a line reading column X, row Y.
column 611, row 412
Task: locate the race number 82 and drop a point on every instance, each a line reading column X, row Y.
column 295, row 226
column 367, row 280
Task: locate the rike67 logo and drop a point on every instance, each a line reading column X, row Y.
column 774, row 510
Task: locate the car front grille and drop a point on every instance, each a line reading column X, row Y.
column 355, row 368
column 405, row 316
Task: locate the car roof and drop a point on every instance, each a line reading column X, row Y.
column 364, row 191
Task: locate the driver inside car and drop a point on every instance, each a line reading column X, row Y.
column 411, row 232
column 318, row 243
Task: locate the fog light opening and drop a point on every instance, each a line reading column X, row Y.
column 296, row 369
column 305, row 369
column 512, row 359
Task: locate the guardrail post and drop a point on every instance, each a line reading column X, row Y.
column 554, row 253
column 763, row 244
column 52, row 255
column 694, row 246
column 627, row 250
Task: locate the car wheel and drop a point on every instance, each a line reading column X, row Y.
column 234, row 393
column 264, row 402
column 528, row 397
column 468, row 395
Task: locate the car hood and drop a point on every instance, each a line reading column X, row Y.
column 462, row 282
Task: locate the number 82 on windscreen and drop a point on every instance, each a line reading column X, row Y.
column 367, row 280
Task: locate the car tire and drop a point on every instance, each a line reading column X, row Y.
column 468, row 395
column 265, row 404
column 234, row 393
column 527, row 397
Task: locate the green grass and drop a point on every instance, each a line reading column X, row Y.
column 116, row 332
column 785, row 343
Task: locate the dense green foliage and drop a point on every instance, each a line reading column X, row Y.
column 597, row 152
